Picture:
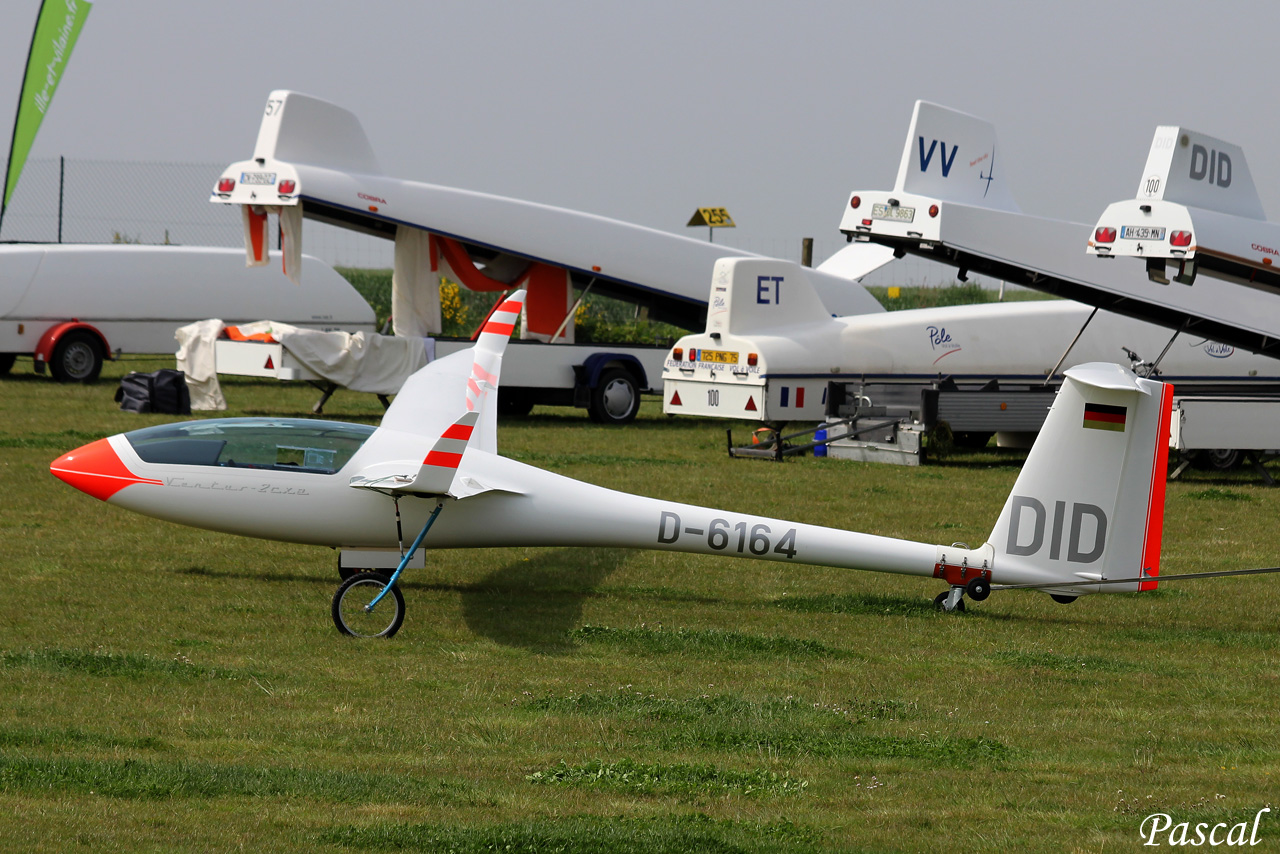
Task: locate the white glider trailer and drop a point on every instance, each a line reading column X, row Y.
column 69, row 307
column 1198, row 212
column 774, row 356
column 313, row 160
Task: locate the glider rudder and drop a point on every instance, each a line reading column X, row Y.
column 1089, row 502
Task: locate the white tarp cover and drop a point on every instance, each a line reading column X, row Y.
column 196, row 361
column 415, row 289
column 377, row 364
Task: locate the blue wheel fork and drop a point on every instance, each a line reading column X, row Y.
column 404, row 561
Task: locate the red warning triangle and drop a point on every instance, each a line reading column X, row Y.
column 751, row 404
column 270, row 366
column 675, row 399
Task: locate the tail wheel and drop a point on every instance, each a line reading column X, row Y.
column 77, row 358
column 350, row 609
column 978, row 589
column 1062, row 598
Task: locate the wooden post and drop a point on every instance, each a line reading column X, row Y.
column 806, row 251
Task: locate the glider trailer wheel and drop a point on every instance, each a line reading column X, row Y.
column 615, row 399
column 77, row 358
column 352, row 614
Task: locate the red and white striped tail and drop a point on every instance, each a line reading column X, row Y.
column 489, row 348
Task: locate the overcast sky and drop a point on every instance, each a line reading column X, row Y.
column 646, row 111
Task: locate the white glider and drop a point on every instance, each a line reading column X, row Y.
column 1084, row 516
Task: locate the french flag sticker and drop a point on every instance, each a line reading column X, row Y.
column 786, row 396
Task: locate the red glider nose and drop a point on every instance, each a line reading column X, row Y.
column 95, row 469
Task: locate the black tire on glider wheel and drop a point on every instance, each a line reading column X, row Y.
column 357, row 592
column 942, row 597
column 1062, row 598
column 978, row 589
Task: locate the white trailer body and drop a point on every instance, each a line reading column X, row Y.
column 770, row 349
column 1212, row 423
column 71, row 306
column 1196, row 211
column 605, row 379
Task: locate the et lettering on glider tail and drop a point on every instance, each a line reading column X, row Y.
column 725, row 536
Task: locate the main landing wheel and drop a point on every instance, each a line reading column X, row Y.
column 940, row 602
column 350, row 605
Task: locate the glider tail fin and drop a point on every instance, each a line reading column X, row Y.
column 1089, row 502
column 953, row 156
column 757, row 294
column 298, row 128
column 1195, row 169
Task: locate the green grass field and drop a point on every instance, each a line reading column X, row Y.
column 169, row 689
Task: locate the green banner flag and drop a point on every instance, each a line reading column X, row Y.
column 56, row 31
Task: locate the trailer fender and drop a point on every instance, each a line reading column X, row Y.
column 595, row 365
column 59, row 332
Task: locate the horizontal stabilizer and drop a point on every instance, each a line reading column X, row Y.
column 856, row 260
column 1199, row 171
column 953, row 156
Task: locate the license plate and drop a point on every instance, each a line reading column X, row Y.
column 1141, row 232
column 724, row 357
column 895, row 213
column 262, row 178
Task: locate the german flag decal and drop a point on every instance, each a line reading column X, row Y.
column 1100, row 416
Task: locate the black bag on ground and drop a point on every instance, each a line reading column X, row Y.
column 164, row 391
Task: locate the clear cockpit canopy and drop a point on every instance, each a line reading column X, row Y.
column 279, row 444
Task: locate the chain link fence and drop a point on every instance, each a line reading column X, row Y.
column 71, row 200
